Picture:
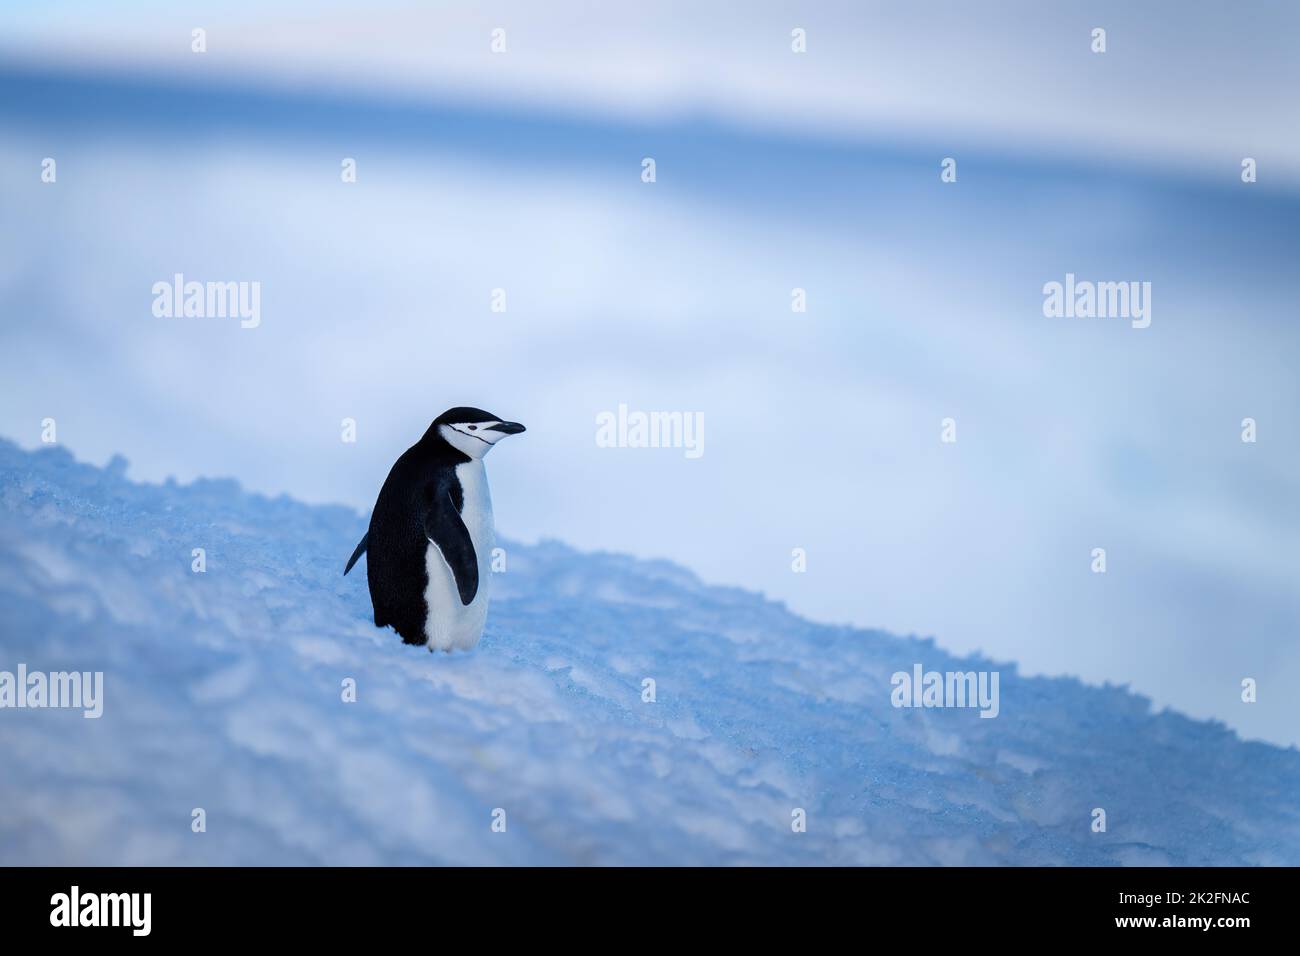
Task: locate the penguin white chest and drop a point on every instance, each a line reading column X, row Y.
column 452, row 625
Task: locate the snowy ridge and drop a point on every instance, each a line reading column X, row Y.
column 222, row 691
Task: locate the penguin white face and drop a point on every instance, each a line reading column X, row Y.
column 476, row 438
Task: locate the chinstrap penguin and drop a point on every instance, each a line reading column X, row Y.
column 429, row 545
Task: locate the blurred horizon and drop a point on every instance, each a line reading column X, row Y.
column 821, row 428
column 1180, row 93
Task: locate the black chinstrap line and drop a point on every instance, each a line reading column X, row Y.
column 469, row 435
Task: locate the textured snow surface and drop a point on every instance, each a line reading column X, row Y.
column 223, row 691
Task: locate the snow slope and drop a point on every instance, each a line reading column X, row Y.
column 223, row 692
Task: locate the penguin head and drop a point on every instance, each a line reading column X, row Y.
column 472, row 431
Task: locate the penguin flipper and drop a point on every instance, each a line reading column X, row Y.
column 444, row 527
column 361, row 549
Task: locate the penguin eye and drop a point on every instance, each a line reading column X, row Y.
column 473, row 428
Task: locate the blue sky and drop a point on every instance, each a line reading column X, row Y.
column 822, row 428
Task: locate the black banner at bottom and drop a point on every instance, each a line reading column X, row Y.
column 332, row 906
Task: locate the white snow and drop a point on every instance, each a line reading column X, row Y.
column 223, row 691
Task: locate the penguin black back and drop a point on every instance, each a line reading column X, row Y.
column 396, row 542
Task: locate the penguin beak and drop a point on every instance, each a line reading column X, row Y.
column 510, row 428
